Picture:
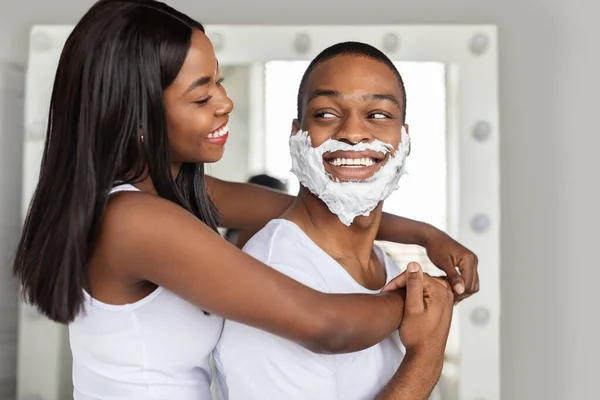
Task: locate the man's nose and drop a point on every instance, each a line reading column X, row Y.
column 353, row 130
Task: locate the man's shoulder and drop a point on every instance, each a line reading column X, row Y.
column 278, row 240
column 283, row 246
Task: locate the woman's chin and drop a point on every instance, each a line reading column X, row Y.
column 211, row 158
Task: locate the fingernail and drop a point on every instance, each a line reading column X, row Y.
column 459, row 288
column 413, row 267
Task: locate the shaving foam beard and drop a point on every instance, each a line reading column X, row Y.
column 347, row 199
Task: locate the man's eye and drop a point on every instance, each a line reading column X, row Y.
column 379, row 115
column 324, row 115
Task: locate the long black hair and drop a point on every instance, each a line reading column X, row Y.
column 108, row 92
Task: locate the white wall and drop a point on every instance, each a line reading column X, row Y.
column 234, row 164
column 11, row 146
column 549, row 63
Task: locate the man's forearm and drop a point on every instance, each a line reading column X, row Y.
column 403, row 230
column 416, row 377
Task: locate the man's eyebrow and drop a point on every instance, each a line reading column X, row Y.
column 366, row 97
column 323, row 92
column 388, row 97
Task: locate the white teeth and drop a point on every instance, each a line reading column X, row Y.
column 352, row 162
column 218, row 133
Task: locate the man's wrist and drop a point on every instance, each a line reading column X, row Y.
column 428, row 359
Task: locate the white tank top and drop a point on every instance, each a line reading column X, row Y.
column 157, row 348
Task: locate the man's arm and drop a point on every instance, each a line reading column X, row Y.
column 415, row 379
column 249, row 207
column 424, row 332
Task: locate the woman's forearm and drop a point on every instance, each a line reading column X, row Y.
column 250, row 207
column 356, row 322
column 246, row 206
column 403, row 230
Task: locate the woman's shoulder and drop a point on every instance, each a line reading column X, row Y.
column 135, row 218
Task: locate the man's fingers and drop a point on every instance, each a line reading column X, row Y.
column 442, row 281
column 414, row 290
column 398, row 282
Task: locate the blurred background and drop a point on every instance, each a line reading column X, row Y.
column 502, row 100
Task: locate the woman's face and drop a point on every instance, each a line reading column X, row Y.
column 197, row 106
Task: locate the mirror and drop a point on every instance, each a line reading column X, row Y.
column 450, row 73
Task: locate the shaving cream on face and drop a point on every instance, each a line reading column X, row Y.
column 347, row 199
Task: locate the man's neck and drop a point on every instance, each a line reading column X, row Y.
column 353, row 243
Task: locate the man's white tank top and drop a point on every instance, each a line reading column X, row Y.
column 157, row 348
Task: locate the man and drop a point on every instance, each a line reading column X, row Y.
column 348, row 149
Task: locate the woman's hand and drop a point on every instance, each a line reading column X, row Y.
column 447, row 254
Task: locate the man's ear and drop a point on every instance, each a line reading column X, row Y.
column 407, row 130
column 295, row 127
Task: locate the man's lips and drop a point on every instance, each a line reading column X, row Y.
column 376, row 156
column 353, row 165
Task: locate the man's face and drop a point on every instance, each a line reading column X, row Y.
column 353, row 99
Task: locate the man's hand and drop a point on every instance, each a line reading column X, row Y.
column 447, row 254
column 427, row 312
column 424, row 332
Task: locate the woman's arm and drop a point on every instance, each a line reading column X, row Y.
column 246, row 206
column 158, row 241
column 249, row 207
column 261, row 204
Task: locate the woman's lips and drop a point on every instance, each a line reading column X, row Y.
column 218, row 136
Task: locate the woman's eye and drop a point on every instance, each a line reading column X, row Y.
column 202, row 101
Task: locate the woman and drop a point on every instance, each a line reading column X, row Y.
column 121, row 240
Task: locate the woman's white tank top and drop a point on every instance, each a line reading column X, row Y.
column 157, row 348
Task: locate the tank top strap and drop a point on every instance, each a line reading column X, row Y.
column 123, row 187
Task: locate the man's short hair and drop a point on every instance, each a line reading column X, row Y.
column 351, row 49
